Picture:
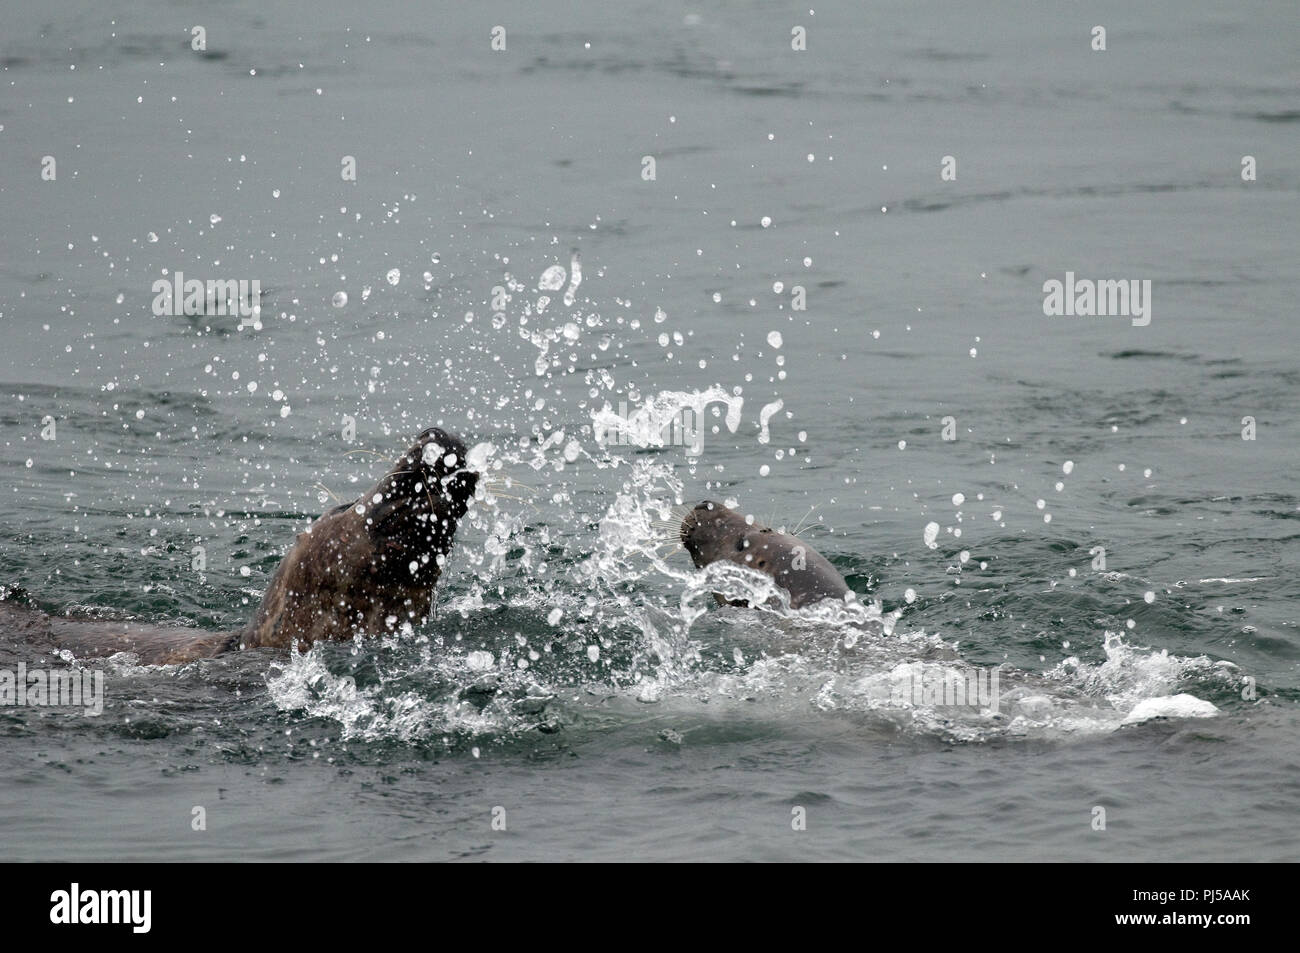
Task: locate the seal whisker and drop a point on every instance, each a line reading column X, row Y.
column 508, row 484
column 810, row 526
column 508, row 481
column 332, row 494
column 797, row 530
column 674, row 545
column 497, row 495
column 676, row 513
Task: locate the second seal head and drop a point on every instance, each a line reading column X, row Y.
column 711, row 532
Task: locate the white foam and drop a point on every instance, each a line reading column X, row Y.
column 1170, row 706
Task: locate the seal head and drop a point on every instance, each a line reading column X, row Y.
column 711, row 532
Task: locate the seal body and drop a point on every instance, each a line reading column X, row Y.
column 368, row 566
column 152, row 644
column 371, row 565
column 712, row 532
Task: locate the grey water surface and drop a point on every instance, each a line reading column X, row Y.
column 571, row 690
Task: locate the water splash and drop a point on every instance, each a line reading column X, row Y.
column 551, row 617
column 652, row 423
column 764, row 416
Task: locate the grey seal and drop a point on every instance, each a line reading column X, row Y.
column 711, row 532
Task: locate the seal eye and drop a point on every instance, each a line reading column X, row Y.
column 741, row 545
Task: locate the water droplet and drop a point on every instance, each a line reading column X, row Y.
column 931, row 535
column 552, row 279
